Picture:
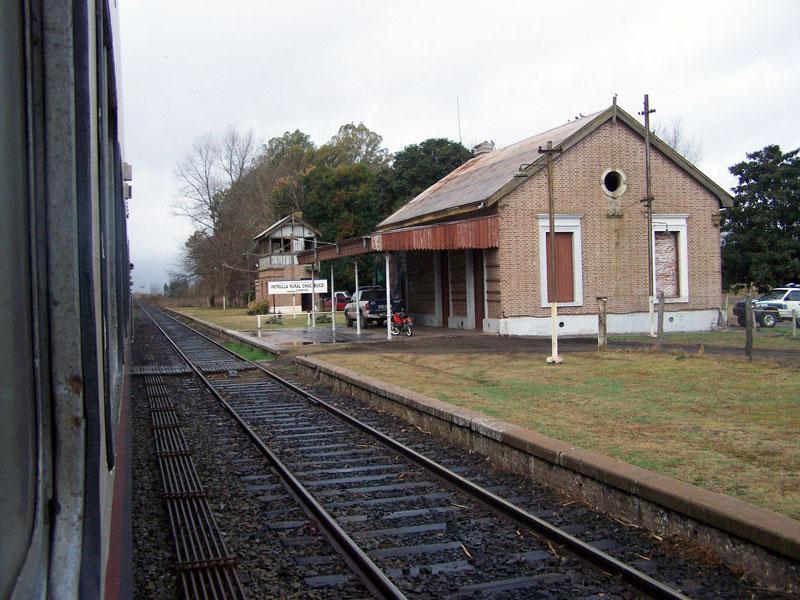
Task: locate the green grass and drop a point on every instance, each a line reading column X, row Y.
column 778, row 338
column 249, row 352
column 724, row 424
column 237, row 319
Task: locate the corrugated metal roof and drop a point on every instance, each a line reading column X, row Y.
column 487, row 177
column 480, row 177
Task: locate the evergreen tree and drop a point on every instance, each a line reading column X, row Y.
column 418, row 166
column 761, row 244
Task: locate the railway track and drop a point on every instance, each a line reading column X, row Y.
column 407, row 525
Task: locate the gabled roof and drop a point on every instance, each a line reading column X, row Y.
column 284, row 221
column 484, row 179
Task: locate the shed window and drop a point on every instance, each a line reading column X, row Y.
column 670, row 257
column 568, row 260
column 564, row 269
column 666, row 257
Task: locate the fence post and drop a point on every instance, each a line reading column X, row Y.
column 794, row 323
column 660, row 330
column 749, row 323
column 725, row 308
column 602, row 325
column 258, row 321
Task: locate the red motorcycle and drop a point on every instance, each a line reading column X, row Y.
column 401, row 321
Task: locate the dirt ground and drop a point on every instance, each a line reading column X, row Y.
column 430, row 340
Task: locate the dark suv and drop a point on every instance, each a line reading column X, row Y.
column 371, row 301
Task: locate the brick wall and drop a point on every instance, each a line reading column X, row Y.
column 421, row 284
column 614, row 249
column 291, row 272
column 493, row 293
column 458, row 282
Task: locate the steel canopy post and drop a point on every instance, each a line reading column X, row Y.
column 313, row 298
column 388, row 302
column 333, row 303
column 358, row 304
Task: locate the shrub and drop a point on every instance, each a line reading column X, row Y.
column 258, row 307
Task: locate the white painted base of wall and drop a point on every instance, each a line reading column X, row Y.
column 460, row 322
column 687, row 320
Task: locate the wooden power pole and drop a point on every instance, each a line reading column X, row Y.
column 554, row 358
column 648, row 202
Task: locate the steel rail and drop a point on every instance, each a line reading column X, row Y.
column 639, row 580
column 372, row 576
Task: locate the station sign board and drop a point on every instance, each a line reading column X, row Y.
column 302, row 286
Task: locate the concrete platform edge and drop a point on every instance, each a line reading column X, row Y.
column 758, row 541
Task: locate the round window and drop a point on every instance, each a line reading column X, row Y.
column 614, row 182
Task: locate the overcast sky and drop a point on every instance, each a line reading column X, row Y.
column 729, row 70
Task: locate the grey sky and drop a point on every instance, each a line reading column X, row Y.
column 728, row 69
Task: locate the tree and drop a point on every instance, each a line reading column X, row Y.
column 340, row 201
column 354, row 144
column 673, row 135
column 418, row 166
column 289, row 158
column 178, row 286
column 208, row 168
column 761, row 236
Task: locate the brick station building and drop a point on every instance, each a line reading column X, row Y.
column 472, row 250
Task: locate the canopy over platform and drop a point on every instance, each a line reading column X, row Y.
column 476, row 233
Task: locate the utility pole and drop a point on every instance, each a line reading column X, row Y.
column 554, row 358
column 648, row 202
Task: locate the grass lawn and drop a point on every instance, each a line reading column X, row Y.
column 249, row 352
column 777, row 338
column 723, row 424
column 237, row 319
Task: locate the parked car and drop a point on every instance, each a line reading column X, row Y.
column 342, row 298
column 776, row 305
column 371, row 301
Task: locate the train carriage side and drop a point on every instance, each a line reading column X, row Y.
column 65, row 297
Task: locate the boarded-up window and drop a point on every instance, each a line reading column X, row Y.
column 666, row 255
column 564, row 270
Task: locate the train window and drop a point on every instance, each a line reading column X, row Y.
column 18, row 424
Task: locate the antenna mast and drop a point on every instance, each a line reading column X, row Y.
column 458, row 115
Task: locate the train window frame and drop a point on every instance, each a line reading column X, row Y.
column 23, row 551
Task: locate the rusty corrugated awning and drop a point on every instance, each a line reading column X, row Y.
column 478, row 233
column 350, row 247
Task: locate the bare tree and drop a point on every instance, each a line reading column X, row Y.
column 199, row 182
column 674, row 136
column 237, row 153
column 208, row 169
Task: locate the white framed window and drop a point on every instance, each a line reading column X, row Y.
column 671, row 257
column 569, row 266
